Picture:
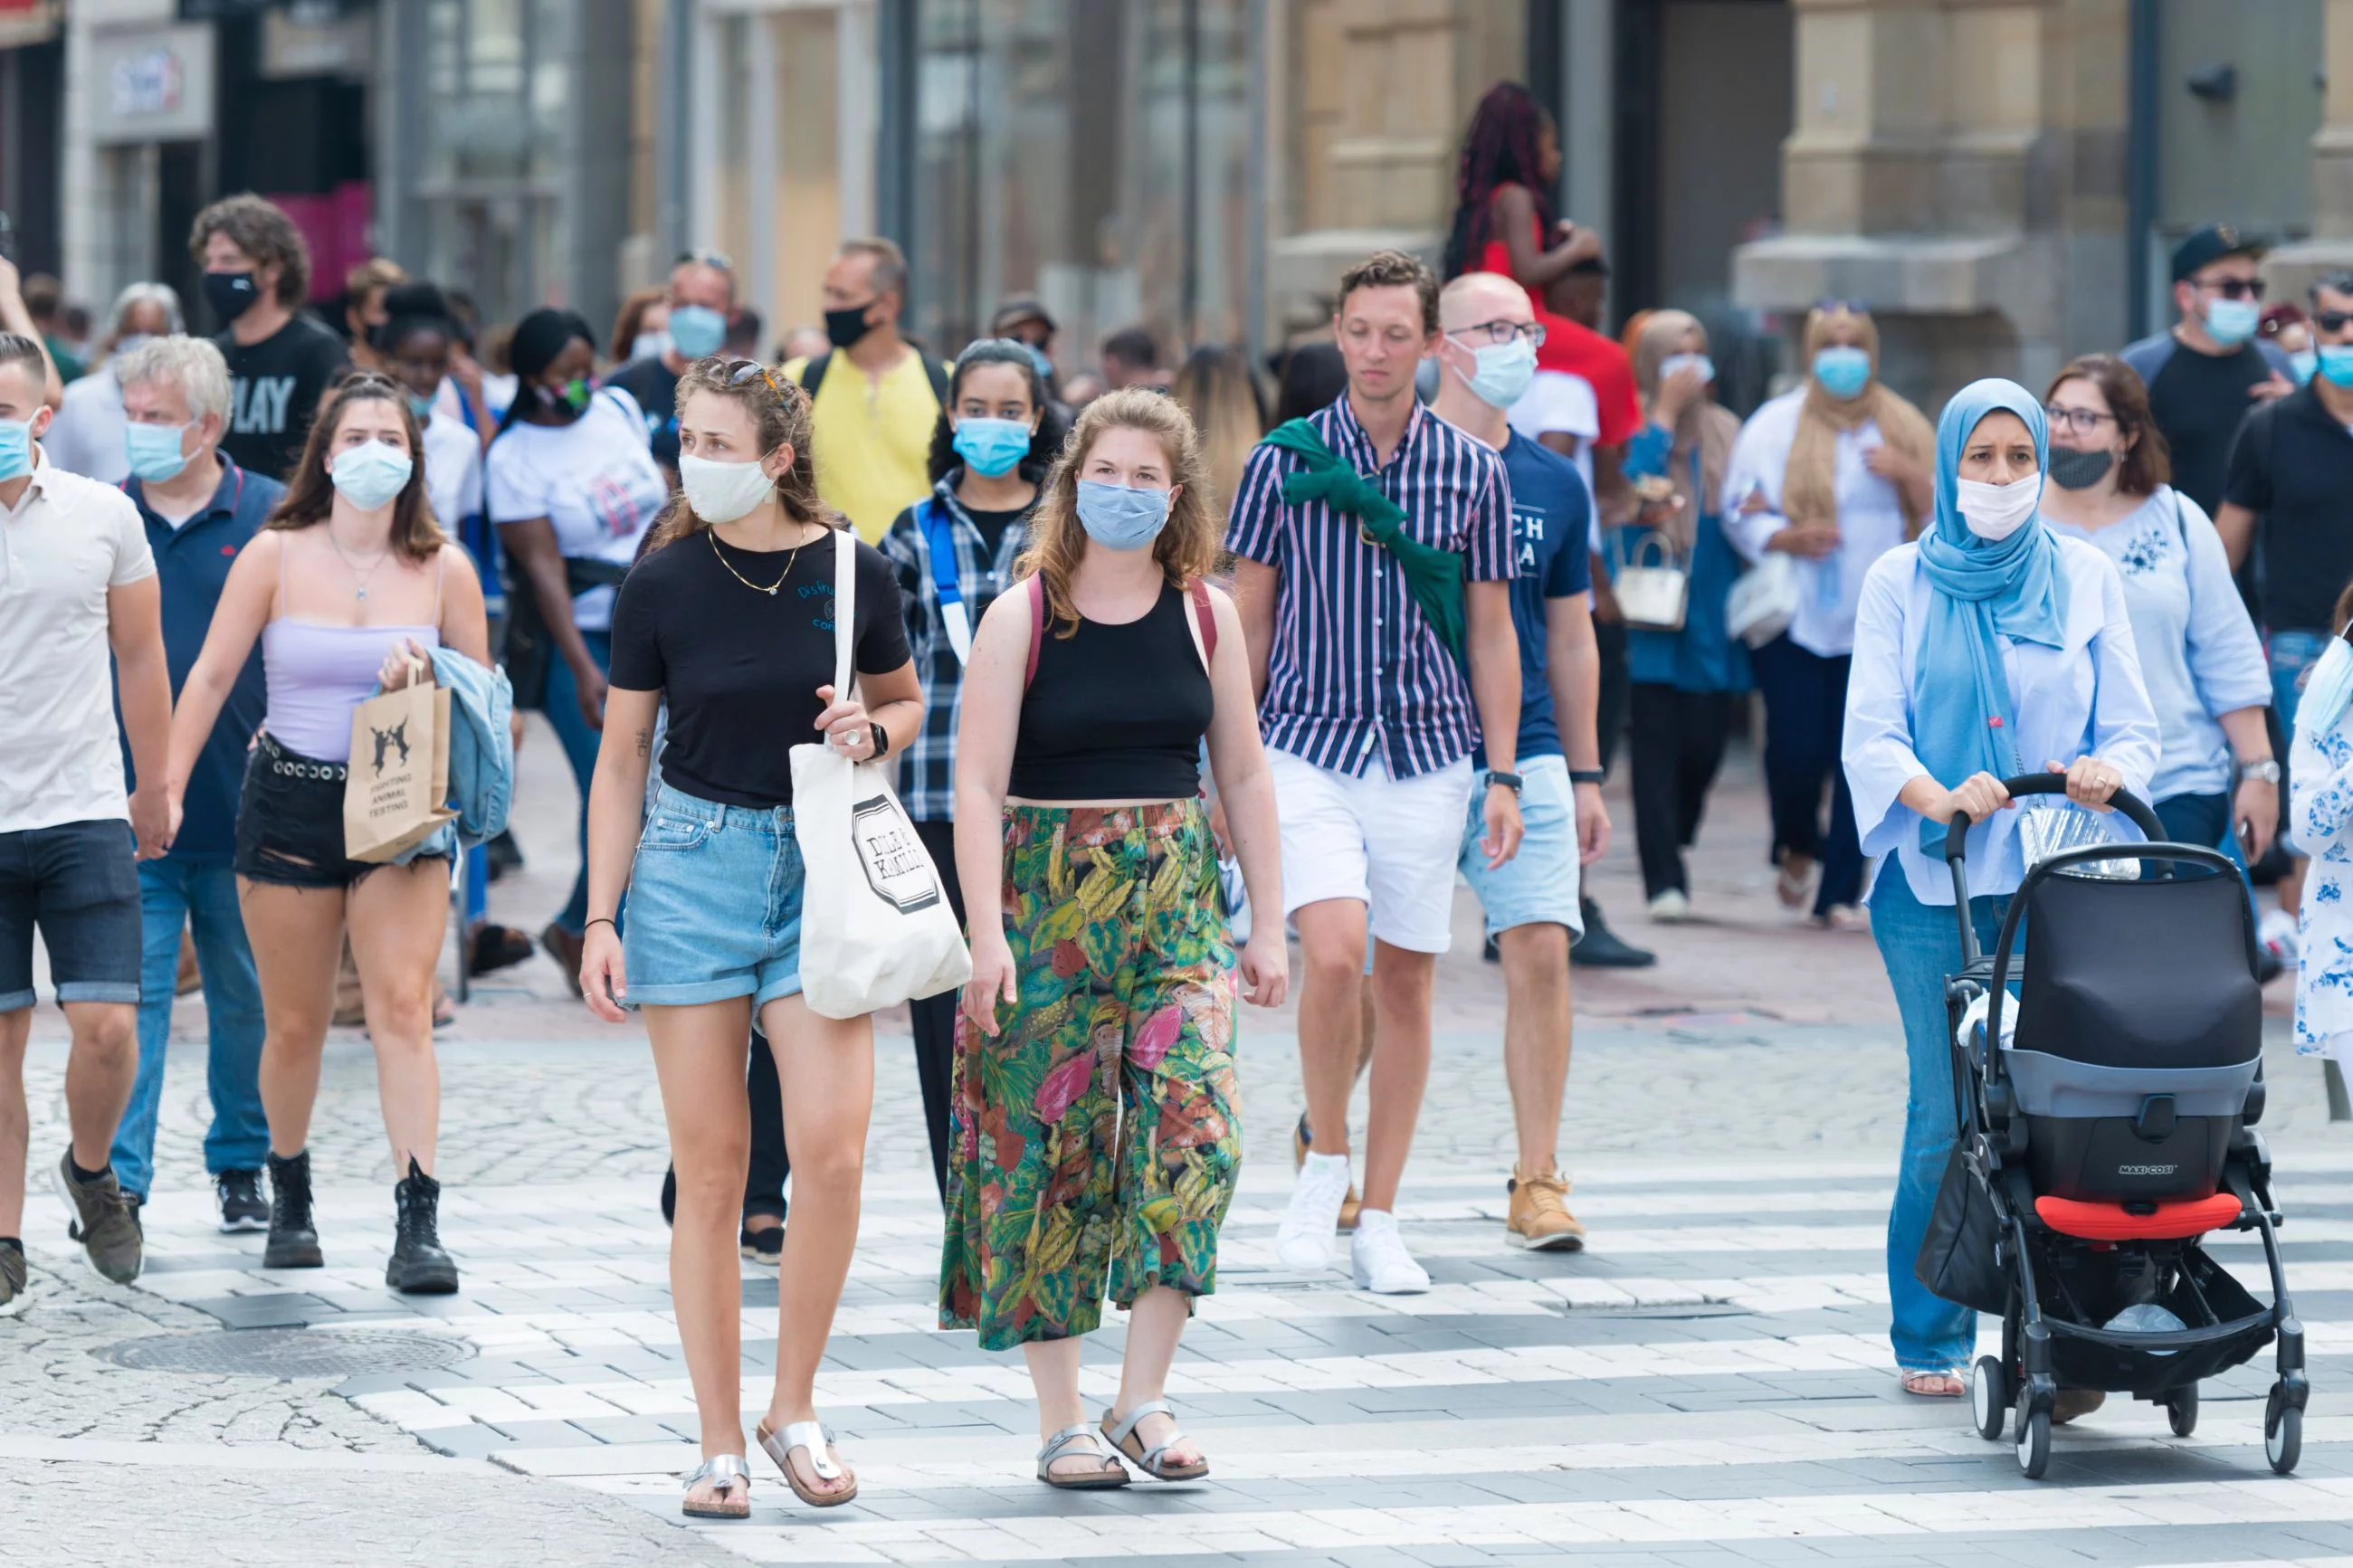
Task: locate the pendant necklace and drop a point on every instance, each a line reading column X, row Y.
column 769, row 589
column 364, row 577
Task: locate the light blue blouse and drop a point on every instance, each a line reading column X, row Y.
column 2085, row 699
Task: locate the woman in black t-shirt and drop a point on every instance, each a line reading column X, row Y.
column 730, row 618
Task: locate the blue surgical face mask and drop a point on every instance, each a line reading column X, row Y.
column 153, row 451
column 2232, row 321
column 1673, row 363
column 2334, row 361
column 2327, row 690
column 648, row 346
column 992, row 447
column 15, row 448
column 2302, row 363
column 696, row 331
column 1040, row 358
column 1502, row 372
column 1118, row 518
column 420, row 405
column 1843, row 370
column 370, row 475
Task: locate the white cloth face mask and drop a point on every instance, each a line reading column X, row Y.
column 1994, row 513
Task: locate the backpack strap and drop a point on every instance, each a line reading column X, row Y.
column 813, row 373
column 939, row 544
column 1205, row 616
column 1037, row 627
column 937, row 374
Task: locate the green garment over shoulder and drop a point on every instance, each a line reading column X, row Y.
column 1434, row 577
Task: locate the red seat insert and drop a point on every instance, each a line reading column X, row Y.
column 2109, row 1222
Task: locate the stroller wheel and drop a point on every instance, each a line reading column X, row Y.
column 2182, row 1410
column 2282, row 1432
column 1990, row 1399
column 2033, row 1442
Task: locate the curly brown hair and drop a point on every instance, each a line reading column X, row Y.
column 310, row 492
column 1393, row 270
column 1187, row 545
column 780, row 413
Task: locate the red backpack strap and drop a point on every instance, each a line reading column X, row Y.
column 1206, row 614
column 1037, row 627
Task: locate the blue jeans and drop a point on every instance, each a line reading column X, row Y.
column 201, row 894
column 1805, row 707
column 2205, row 820
column 579, row 743
column 1920, row 944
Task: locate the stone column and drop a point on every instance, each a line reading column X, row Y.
column 2292, row 267
column 1949, row 159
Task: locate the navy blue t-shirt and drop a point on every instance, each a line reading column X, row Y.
column 1551, row 513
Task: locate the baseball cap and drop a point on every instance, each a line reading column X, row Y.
column 1016, row 308
column 2207, row 245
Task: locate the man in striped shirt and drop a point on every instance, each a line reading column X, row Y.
column 1369, row 723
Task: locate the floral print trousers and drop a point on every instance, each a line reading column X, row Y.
column 1097, row 1134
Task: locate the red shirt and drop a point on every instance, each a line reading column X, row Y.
column 1579, row 350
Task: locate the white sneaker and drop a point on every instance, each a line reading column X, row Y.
column 1383, row 1265
column 1304, row 1242
column 1670, row 908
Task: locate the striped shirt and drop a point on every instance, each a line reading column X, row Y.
column 927, row 767
column 1355, row 670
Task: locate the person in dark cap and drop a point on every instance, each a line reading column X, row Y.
column 2206, row 371
column 1024, row 319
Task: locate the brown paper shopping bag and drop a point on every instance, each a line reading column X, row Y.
column 397, row 791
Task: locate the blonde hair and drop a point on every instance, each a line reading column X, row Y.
column 1186, row 547
column 1217, row 389
column 780, row 413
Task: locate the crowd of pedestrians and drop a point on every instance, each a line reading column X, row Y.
column 1165, row 680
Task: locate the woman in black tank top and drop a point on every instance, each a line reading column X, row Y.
column 1097, row 1129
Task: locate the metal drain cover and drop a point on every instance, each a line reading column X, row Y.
column 287, row 1353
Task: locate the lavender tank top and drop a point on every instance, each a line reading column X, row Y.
column 317, row 673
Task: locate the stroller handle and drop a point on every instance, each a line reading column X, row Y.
column 2135, row 811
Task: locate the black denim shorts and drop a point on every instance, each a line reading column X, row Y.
column 289, row 822
column 78, row 884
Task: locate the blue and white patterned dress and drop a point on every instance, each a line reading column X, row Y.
column 2320, row 817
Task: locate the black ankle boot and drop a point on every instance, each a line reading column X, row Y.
column 293, row 1238
column 418, row 1264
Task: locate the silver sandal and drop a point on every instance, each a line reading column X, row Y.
column 728, row 1476
column 1152, row 1461
column 819, row 1440
column 1058, row 1447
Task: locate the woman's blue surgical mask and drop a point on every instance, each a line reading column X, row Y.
column 697, row 331
column 1502, row 373
column 2302, row 363
column 368, row 476
column 1118, row 518
column 1843, row 370
column 2232, row 321
column 2327, row 690
column 1674, row 364
column 421, row 406
column 15, row 448
column 992, row 447
column 153, row 451
column 2334, row 361
column 648, row 346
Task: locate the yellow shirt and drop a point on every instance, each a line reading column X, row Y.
column 874, row 440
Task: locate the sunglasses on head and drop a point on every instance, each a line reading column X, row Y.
column 718, row 259
column 743, row 370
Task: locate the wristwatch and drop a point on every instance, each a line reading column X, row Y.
column 881, row 739
column 2267, row 771
column 1585, row 776
column 1509, row 781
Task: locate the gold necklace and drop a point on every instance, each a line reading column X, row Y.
column 713, row 534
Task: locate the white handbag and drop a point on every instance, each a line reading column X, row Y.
column 1765, row 600
column 876, row 926
column 1651, row 586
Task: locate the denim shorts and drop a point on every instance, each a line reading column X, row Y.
column 79, row 883
column 1539, row 885
column 715, row 904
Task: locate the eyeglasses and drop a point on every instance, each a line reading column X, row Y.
column 2233, row 287
column 2332, row 321
column 2082, row 421
column 1533, row 333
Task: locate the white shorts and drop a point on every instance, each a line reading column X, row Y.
column 1390, row 844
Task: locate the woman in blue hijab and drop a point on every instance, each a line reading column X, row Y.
column 1991, row 648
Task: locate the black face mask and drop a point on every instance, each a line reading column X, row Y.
column 2072, row 468
column 847, row 327
column 230, row 294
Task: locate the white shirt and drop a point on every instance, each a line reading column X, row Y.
column 2085, row 698
column 1870, row 519
column 85, row 436
column 453, row 471
column 2198, row 653
column 1559, row 403
column 2320, row 820
column 66, row 542
column 594, row 480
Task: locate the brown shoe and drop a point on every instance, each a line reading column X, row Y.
column 566, row 949
column 1349, row 1204
column 1540, row 1220
column 106, row 1221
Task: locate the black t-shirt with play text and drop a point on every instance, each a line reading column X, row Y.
column 274, row 388
column 739, row 666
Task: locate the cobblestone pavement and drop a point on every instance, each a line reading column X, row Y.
column 1707, row 1384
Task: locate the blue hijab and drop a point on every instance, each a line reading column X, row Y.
column 1962, row 718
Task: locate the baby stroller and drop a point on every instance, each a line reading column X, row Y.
column 2103, row 1139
